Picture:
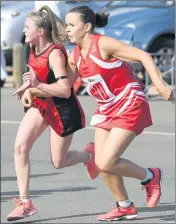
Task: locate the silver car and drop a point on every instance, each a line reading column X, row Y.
column 13, row 15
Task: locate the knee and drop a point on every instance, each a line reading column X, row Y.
column 21, row 149
column 59, row 161
column 102, row 165
column 106, row 166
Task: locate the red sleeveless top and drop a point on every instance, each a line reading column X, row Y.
column 40, row 63
column 65, row 116
column 114, row 86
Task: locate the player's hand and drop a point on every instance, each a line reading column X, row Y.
column 31, row 76
column 167, row 93
column 27, row 99
column 19, row 92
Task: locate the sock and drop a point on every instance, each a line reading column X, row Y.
column 25, row 200
column 90, row 156
column 148, row 177
column 124, row 204
column 117, row 204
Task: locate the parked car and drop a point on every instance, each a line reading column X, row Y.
column 154, row 26
column 13, row 14
column 4, row 73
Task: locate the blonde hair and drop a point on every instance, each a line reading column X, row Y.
column 54, row 27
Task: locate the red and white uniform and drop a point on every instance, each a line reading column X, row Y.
column 120, row 100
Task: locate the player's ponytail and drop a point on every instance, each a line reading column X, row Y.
column 54, row 27
column 101, row 19
column 87, row 15
column 58, row 31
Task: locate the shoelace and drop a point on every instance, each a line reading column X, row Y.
column 150, row 189
column 18, row 201
column 115, row 207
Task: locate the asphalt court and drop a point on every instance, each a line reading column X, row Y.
column 68, row 195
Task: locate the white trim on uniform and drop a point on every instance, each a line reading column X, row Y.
column 79, row 62
column 133, row 91
column 120, row 96
column 106, row 65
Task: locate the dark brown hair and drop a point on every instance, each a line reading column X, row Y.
column 89, row 16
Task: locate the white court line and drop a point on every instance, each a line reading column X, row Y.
column 148, row 132
column 88, row 127
column 10, row 122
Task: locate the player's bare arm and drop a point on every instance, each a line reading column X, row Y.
column 72, row 70
column 62, row 87
column 118, row 49
column 72, row 74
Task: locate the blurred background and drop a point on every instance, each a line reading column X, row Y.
column 148, row 25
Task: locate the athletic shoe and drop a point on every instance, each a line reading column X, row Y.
column 153, row 188
column 118, row 213
column 92, row 169
column 22, row 210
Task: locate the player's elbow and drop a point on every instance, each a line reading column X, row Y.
column 145, row 56
column 66, row 92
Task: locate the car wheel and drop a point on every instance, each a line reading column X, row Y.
column 165, row 50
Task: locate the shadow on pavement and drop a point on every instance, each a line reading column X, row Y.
column 10, row 178
column 162, row 207
column 39, row 193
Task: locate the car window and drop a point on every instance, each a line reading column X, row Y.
column 3, row 3
column 155, row 3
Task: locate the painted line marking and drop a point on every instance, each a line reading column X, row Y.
column 91, row 128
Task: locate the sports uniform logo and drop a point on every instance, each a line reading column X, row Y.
column 91, row 80
column 98, row 88
column 93, row 48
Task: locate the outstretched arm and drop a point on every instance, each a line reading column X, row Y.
column 39, row 93
column 118, row 49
